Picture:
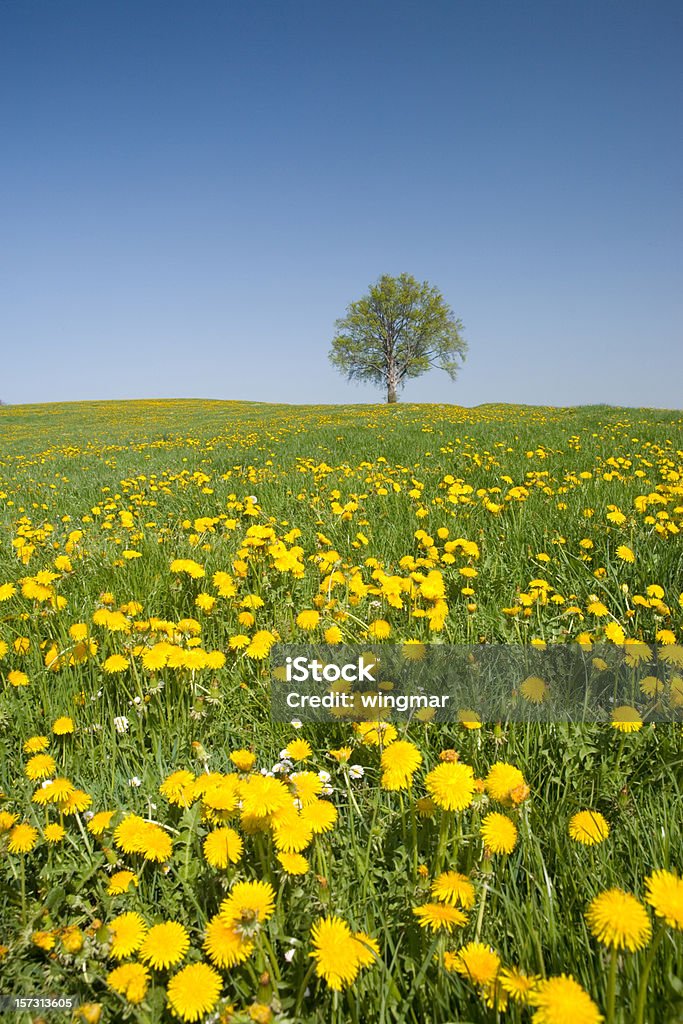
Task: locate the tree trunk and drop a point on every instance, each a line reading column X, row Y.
column 391, row 392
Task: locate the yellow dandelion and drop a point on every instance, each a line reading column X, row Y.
column 626, row 719
column 454, row 888
column 499, row 833
column 588, row 827
column 437, row 916
column 618, row 919
column 225, row 945
column 126, row 933
column 475, row 961
column 130, row 981
column 165, row 944
column 223, row 846
column 664, row 893
column 560, row 999
column 194, row 991
column 451, row 785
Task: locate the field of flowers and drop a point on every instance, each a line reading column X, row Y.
column 167, row 852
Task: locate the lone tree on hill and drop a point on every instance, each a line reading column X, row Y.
column 399, row 330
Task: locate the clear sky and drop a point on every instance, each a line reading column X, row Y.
column 192, row 193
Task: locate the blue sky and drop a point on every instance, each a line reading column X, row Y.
column 191, row 194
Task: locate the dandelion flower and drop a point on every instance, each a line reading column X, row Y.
column 619, row 920
column 193, row 992
column 40, row 766
column 299, row 750
column 223, row 846
column 534, row 689
column 517, row 984
column 475, row 961
column 63, row 726
column 321, row 815
column 115, row 663
column 130, row 981
column 165, row 944
column 626, row 719
column 588, row 827
column 100, row 822
column 335, row 951
column 665, row 896
column 308, row 619
column 561, row 999
column 451, row 785
column 36, row 744
column 120, row 882
column 501, row 780
column 248, row 905
column 22, row 838
column 399, row 762
column 244, row 760
column 126, row 932
column 17, row 678
column 436, row 916
column 293, row 863
column 454, row 888
column 54, row 833
column 499, row 833
column 224, row 944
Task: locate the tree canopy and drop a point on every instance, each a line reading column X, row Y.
column 398, row 331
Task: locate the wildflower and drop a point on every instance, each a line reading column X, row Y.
column 223, row 846
column 260, row 644
column 40, row 766
column 225, row 945
column 126, row 933
column 517, row 984
column 63, row 726
column 22, row 838
column 54, row 833
column 120, row 882
column 36, row 745
column 243, row 760
column 665, row 896
column 130, row 981
column 336, row 952
column 625, row 553
column 560, row 999
column 379, row 629
column 248, row 905
column 308, row 619
column 534, row 690
column 626, row 719
column 177, row 787
column 588, row 827
column 100, row 822
column 115, row 663
column 193, row 992
column 499, row 833
column 17, row 678
column 439, row 915
column 451, row 785
column 321, row 815
column 454, row 888
column 619, row 920
column 293, row 863
column 299, row 749
column 475, row 961
column 165, row 944
column 502, row 780
column 399, row 762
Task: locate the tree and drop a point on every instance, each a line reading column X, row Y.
column 399, row 330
